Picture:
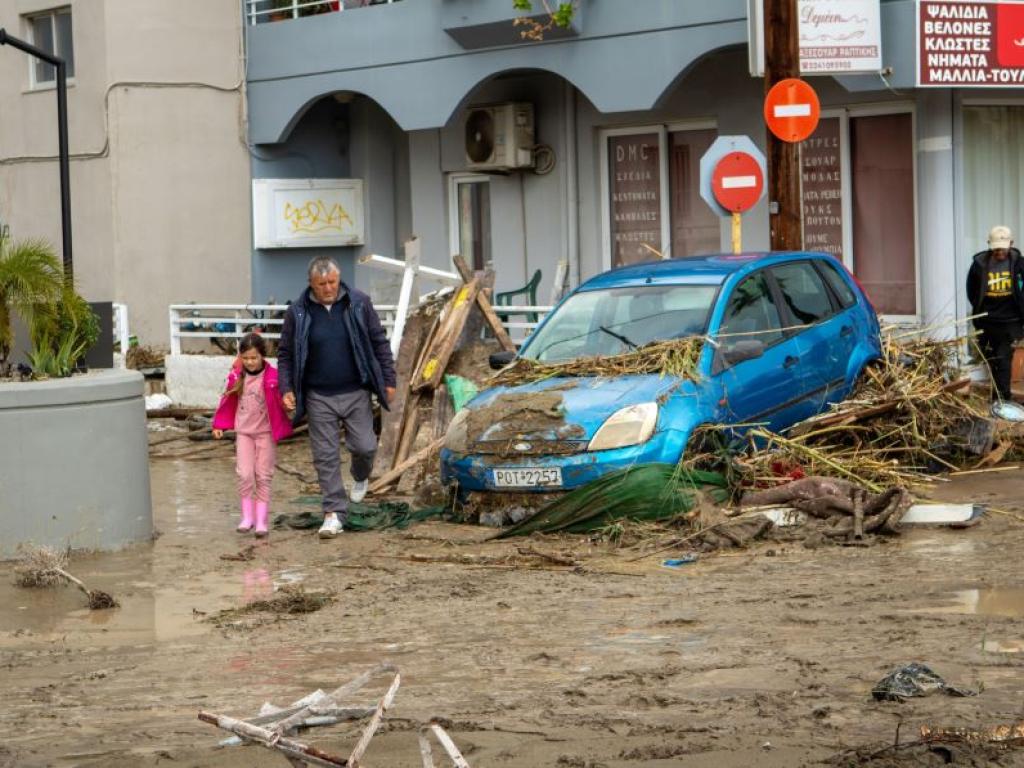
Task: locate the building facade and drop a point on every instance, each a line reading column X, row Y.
column 157, row 135
column 900, row 182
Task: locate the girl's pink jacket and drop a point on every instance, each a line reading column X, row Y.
column 280, row 424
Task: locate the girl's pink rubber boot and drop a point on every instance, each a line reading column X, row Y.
column 248, row 516
column 262, row 518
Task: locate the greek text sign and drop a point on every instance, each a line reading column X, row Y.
column 840, row 36
column 970, row 44
column 305, row 213
column 843, row 36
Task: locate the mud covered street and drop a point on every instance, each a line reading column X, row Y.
column 762, row 657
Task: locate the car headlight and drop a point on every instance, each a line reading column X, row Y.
column 456, row 438
column 631, row 425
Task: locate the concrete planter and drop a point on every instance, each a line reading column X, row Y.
column 74, row 463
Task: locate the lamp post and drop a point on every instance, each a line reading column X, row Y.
column 62, row 138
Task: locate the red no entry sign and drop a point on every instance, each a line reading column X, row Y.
column 791, row 110
column 737, row 182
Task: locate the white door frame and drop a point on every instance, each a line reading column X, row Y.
column 454, row 180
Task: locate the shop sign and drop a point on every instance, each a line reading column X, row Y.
column 307, row 213
column 836, row 36
column 635, row 187
column 821, row 184
column 963, row 43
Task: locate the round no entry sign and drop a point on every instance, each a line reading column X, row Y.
column 791, row 110
column 737, row 182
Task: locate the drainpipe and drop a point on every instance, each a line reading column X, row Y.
column 62, row 138
column 572, row 187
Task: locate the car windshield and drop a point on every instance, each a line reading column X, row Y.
column 616, row 320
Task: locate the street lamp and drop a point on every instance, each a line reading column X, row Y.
column 62, row 137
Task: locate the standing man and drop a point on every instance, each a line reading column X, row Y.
column 333, row 355
column 995, row 286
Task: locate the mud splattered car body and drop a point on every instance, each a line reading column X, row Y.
column 786, row 334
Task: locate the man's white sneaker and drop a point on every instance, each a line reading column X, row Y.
column 331, row 527
column 359, row 488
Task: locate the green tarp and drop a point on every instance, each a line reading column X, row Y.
column 643, row 492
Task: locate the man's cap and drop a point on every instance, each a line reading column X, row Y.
column 1000, row 237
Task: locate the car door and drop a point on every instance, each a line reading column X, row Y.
column 823, row 332
column 763, row 389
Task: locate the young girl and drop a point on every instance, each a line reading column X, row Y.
column 252, row 406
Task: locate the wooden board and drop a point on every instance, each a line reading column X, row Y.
column 483, row 301
column 417, row 331
column 435, row 362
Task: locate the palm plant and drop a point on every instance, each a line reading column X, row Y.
column 30, row 277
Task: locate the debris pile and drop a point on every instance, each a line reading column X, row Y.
column 274, row 727
column 910, row 417
column 844, row 509
column 676, row 357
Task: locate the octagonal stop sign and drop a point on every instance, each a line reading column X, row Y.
column 737, row 182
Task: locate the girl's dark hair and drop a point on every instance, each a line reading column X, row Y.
column 247, row 342
column 252, row 341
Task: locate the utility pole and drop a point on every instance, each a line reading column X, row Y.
column 62, row 138
column 781, row 61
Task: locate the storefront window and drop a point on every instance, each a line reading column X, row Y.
column 635, row 187
column 654, row 205
column 884, row 252
column 695, row 227
column 821, row 182
column 993, row 181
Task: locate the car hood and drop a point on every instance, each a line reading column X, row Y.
column 562, row 409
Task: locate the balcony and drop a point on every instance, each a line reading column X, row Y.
column 266, row 11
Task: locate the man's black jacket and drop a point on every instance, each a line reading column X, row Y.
column 977, row 280
column 370, row 346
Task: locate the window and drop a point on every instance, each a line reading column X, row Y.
column 837, row 283
column 993, row 150
column 751, row 314
column 651, row 185
column 616, row 320
column 884, row 260
column 857, row 183
column 804, row 292
column 51, row 31
column 470, row 219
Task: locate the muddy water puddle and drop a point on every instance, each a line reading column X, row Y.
column 157, row 605
column 997, row 601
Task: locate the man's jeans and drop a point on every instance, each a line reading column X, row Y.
column 996, row 342
column 327, row 415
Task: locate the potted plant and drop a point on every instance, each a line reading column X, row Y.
column 31, row 279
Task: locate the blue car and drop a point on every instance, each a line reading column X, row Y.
column 786, row 335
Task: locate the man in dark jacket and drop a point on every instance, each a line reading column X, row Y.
column 333, row 354
column 995, row 287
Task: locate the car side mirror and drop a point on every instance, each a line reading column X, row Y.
column 742, row 350
column 499, row 360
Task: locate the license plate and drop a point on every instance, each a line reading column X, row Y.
column 528, row 478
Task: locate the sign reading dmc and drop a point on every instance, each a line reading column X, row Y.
column 967, row 43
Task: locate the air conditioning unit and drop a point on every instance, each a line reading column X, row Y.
column 499, row 137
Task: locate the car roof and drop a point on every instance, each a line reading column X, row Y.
column 712, row 269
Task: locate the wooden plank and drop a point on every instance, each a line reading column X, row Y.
column 449, row 746
column 374, row 724
column 417, row 331
column 395, row 474
column 483, row 301
column 442, row 411
column 271, row 740
column 436, row 361
column 410, row 428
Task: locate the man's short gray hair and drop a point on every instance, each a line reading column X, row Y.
column 323, row 265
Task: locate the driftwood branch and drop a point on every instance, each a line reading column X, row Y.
column 289, row 747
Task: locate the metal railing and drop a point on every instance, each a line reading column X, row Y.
column 262, row 11
column 220, row 324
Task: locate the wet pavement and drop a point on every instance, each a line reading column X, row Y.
column 699, row 666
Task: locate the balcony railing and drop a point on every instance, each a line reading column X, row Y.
column 261, row 11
